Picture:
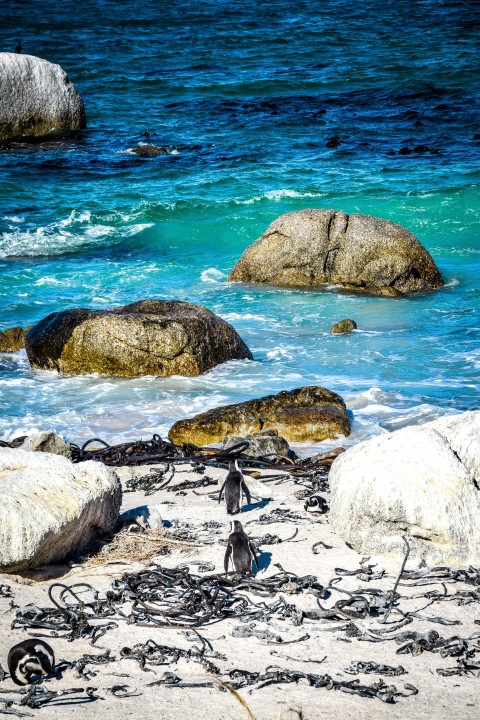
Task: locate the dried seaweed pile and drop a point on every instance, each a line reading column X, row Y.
column 309, row 473
column 177, row 598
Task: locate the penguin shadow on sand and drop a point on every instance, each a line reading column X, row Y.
column 264, row 558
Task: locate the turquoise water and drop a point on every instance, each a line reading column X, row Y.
column 245, row 97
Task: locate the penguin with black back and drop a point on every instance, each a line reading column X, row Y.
column 18, row 49
column 240, row 549
column 233, row 486
column 316, row 504
column 30, row 660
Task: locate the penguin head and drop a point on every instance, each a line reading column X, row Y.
column 236, row 526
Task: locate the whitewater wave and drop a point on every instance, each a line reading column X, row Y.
column 212, row 275
column 76, row 232
column 278, row 195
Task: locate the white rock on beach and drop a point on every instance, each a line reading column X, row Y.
column 422, row 482
column 50, row 507
column 37, row 98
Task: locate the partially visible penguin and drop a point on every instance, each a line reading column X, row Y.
column 234, row 485
column 28, row 659
column 317, row 504
column 240, row 549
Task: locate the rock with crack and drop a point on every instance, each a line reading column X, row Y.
column 51, row 508
column 37, row 99
column 422, row 482
column 359, row 253
column 149, row 337
column 307, row 414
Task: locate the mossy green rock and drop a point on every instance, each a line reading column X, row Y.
column 358, row 253
column 307, row 414
column 12, row 339
column 149, row 337
column 344, row 326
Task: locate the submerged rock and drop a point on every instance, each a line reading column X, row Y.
column 360, row 253
column 52, row 508
column 305, row 414
column 37, row 99
column 344, row 326
column 13, row 339
column 422, row 482
column 149, row 150
column 149, row 337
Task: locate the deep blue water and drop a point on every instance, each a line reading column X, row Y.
column 245, row 96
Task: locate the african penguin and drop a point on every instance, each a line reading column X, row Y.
column 30, row 660
column 240, row 549
column 234, row 485
column 316, row 503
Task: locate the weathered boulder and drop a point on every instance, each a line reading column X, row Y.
column 47, row 442
column 305, row 414
column 51, row 508
column 343, row 326
column 266, row 443
column 37, row 99
column 324, row 247
column 422, row 482
column 149, row 337
column 13, row 339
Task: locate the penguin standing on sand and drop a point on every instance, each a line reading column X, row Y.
column 234, row 485
column 241, row 549
column 29, row 660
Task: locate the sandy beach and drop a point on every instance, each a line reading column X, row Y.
column 320, row 646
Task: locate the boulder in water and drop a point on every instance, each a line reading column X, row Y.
column 37, row 99
column 149, row 337
column 306, row 414
column 343, row 326
column 360, row 253
column 13, row 339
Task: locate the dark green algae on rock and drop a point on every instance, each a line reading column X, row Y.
column 149, row 337
column 307, row 414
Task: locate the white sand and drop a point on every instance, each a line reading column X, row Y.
column 438, row 697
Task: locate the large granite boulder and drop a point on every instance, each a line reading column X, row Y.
column 12, row 339
column 360, row 253
column 308, row 414
column 51, row 508
column 37, row 99
column 422, row 482
column 149, row 337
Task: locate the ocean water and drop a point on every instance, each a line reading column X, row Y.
column 245, row 97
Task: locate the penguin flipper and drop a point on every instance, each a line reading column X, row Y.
column 226, row 559
column 247, row 492
column 221, row 491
